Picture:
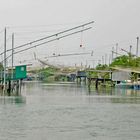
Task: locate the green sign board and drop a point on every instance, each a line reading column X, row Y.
column 20, row 72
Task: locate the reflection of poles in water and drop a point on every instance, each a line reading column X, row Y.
column 17, row 87
column 9, row 88
column 1, row 76
column 89, row 84
column 96, row 83
column 4, row 83
column 12, row 87
column 20, row 83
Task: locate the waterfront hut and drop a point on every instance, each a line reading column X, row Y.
column 119, row 76
column 126, row 77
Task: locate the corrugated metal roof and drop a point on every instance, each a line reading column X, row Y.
column 136, row 70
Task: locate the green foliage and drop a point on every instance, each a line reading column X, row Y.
column 137, row 62
column 100, row 74
column 92, row 74
column 127, row 61
column 121, row 61
column 45, row 73
column 102, row 67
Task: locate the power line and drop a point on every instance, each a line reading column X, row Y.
column 47, row 25
column 29, row 43
column 48, row 42
column 38, row 31
column 52, row 40
column 61, row 55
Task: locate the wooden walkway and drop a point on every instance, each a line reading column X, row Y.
column 97, row 80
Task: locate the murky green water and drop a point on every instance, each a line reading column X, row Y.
column 69, row 112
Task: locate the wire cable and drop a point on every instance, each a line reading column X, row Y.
column 48, row 42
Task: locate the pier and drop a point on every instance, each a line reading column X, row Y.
column 81, row 75
column 96, row 80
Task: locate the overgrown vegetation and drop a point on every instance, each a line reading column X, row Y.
column 126, row 61
column 47, row 72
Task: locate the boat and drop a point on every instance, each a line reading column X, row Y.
column 125, row 85
column 128, row 84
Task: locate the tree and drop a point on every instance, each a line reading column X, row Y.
column 127, row 61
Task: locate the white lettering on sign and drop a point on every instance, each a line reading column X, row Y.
column 22, row 68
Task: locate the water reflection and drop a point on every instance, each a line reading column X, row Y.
column 130, row 100
column 68, row 111
column 109, row 94
column 114, row 91
column 112, row 95
column 12, row 100
column 12, row 97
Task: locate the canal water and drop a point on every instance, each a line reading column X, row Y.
column 67, row 111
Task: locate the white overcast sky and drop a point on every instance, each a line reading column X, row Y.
column 116, row 21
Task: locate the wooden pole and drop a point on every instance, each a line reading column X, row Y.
column 4, row 88
column 130, row 50
column 112, row 53
column 116, row 49
column 137, row 46
column 12, row 56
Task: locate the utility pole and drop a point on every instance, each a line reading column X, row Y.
column 116, row 49
column 102, row 60
column 86, row 63
column 93, row 62
column 109, row 59
column 99, row 61
column 12, row 54
column 137, row 55
column 4, row 88
column 137, row 46
column 112, row 53
column 130, row 51
column 105, row 59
